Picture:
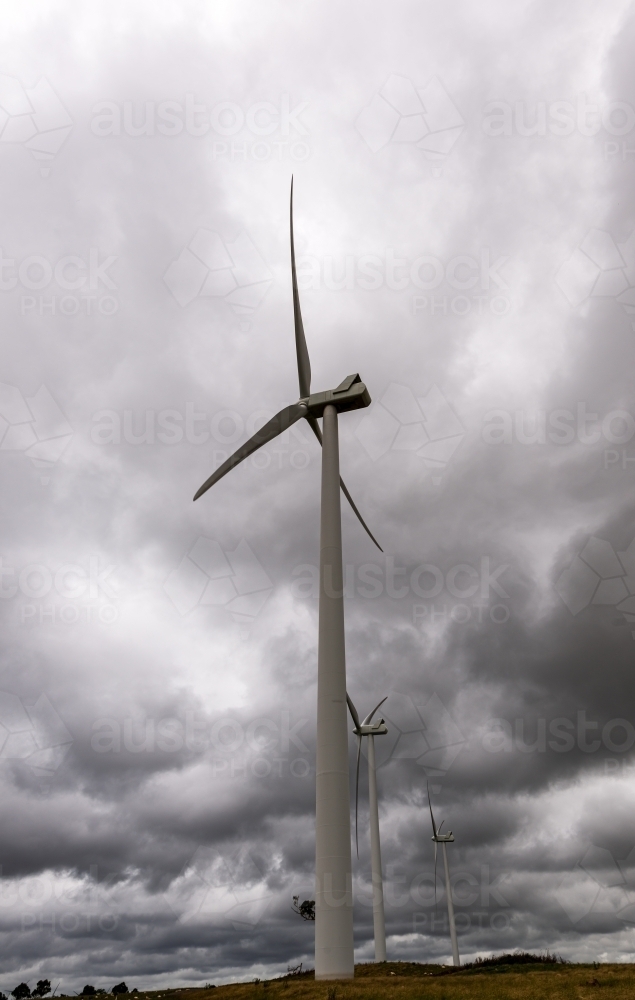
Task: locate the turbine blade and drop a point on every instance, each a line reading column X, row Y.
column 366, row 721
column 315, row 427
column 359, row 750
column 352, row 710
column 302, row 352
column 434, row 829
column 271, row 430
column 359, row 516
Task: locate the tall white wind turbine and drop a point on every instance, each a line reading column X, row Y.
column 333, row 868
column 444, row 839
column 370, row 732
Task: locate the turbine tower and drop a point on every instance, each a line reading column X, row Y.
column 443, row 839
column 370, row 732
column 333, row 868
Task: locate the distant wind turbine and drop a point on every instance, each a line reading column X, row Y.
column 443, row 839
column 333, row 868
column 370, row 732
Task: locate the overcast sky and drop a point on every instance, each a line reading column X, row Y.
column 465, row 225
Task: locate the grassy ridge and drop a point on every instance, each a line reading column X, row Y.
column 411, row 981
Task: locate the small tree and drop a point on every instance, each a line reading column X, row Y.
column 89, row 991
column 120, row 988
column 305, row 909
column 43, row 987
column 21, row 992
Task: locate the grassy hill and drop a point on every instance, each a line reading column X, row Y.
column 411, row 981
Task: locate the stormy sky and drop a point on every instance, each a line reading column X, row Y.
column 465, row 231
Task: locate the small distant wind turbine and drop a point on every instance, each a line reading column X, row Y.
column 334, row 954
column 443, row 839
column 370, row 732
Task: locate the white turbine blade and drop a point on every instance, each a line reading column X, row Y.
column 359, row 751
column 352, row 710
column 434, row 829
column 366, row 721
column 315, row 427
column 302, row 353
column 281, row 422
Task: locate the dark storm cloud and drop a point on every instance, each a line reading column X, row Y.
column 151, row 814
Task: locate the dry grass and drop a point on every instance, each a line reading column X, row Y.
column 410, row 981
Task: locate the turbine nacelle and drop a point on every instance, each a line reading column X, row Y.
column 363, row 727
column 379, row 729
column 443, row 838
column 351, row 394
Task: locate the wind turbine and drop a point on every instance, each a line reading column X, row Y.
column 333, row 868
column 370, row 732
column 443, row 839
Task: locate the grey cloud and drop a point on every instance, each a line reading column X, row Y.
column 112, row 833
